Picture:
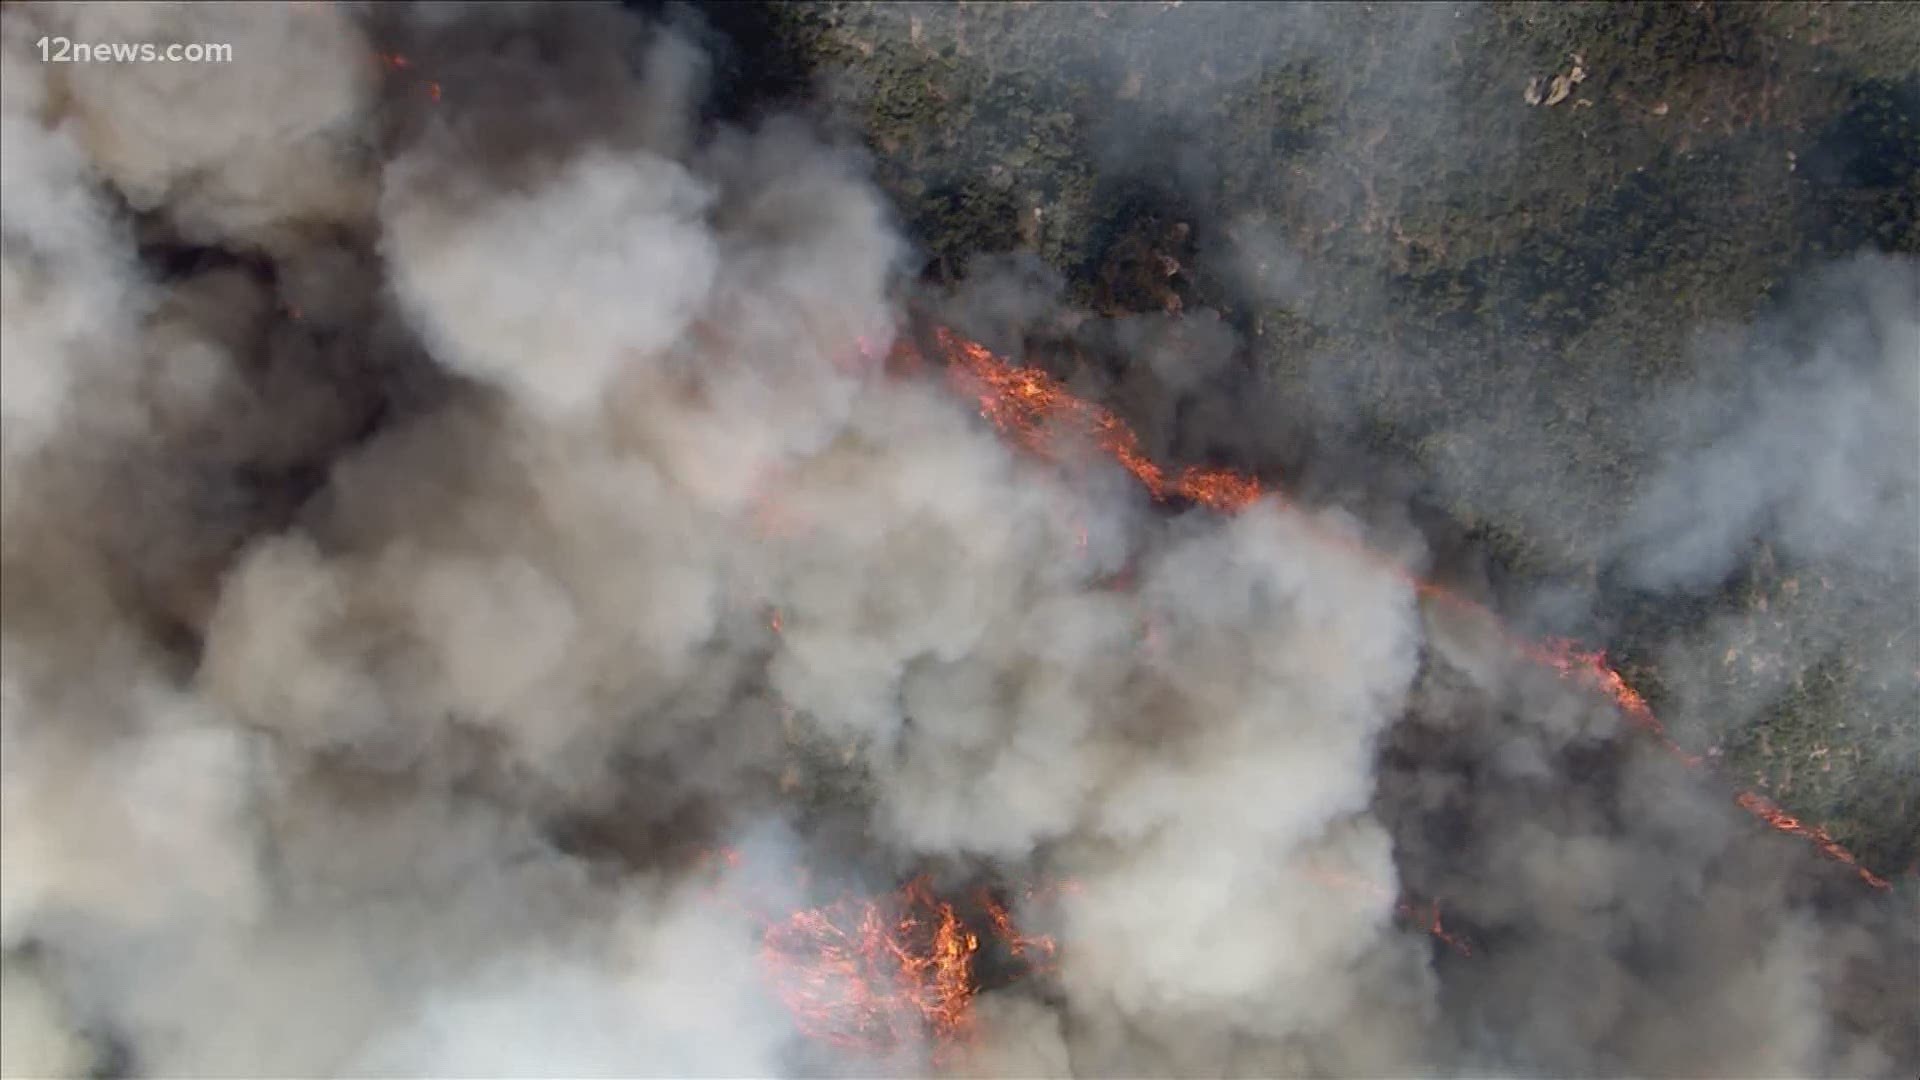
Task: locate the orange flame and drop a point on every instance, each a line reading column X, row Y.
column 1034, row 409
column 1038, row 950
column 878, row 976
column 1766, row 810
column 399, row 62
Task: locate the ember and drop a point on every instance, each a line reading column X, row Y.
column 879, row 975
column 1033, row 409
column 1764, row 808
column 398, row 62
column 873, row 976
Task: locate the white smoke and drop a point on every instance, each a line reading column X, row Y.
column 403, row 478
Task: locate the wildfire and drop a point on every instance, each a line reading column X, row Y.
column 398, row 62
column 879, row 975
column 1766, row 810
column 1037, row 950
column 873, row 976
column 1591, row 668
column 1034, row 409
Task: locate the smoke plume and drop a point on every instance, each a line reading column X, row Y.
column 453, row 490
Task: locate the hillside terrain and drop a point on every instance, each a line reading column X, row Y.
column 1460, row 259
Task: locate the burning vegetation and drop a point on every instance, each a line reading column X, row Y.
column 1033, row 409
column 872, row 975
column 879, row 975
column 1036, row 412
column 591, row 540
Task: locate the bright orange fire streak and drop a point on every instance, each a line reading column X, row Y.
column 874, row 976
column 879, row 975
column 1033, row 408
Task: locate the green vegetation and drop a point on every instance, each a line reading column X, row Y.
column 1503, row 284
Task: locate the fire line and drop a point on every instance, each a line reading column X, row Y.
column 1032, row 408
column 874, row 975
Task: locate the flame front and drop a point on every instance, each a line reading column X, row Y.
column 873, row 976
column 876, row 976
column 1770, row 812
column 1034, row 409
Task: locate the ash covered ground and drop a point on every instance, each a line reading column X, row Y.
column 982, row 540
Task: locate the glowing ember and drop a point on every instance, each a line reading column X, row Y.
column 1038, row 950
column 877, row 976
column 1766, row 810
column 1428, row 919
column 1034, row 409
column 398, row 62
column 1435, row 927
column 1591, row 668
column 874, row 976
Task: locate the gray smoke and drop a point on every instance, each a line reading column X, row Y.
column 405, row 465
column 1807, row 451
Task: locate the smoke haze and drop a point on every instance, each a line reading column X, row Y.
column 445, row 499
